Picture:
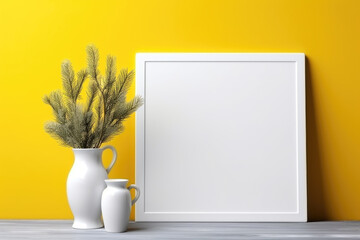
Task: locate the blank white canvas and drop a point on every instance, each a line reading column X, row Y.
column 221, row 137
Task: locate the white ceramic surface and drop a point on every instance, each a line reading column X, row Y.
column 221, row 137
column 116, row 204
column 85, row 185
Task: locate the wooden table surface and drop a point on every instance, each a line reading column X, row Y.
column 61, row 229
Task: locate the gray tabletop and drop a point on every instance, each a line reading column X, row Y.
column 40, row 229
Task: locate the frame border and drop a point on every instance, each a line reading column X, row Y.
column 299, row 216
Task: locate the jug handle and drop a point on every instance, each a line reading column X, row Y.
column 113, row 159
column 132, row 186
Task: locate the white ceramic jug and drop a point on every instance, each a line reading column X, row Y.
column 85, row 185
column 116, row 204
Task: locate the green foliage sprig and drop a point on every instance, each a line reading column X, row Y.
column 101, row 117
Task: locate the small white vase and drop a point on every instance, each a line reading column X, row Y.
column 116, row 204
column 85, row 184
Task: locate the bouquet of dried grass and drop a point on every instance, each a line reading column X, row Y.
column 89, row 125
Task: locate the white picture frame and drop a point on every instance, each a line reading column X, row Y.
column 221, row 137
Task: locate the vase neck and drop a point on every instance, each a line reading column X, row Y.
column 117, row 183
column 88, row 155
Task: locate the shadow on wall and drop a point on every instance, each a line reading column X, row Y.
column 315, row 187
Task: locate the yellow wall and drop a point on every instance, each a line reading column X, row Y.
column 35, row 36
